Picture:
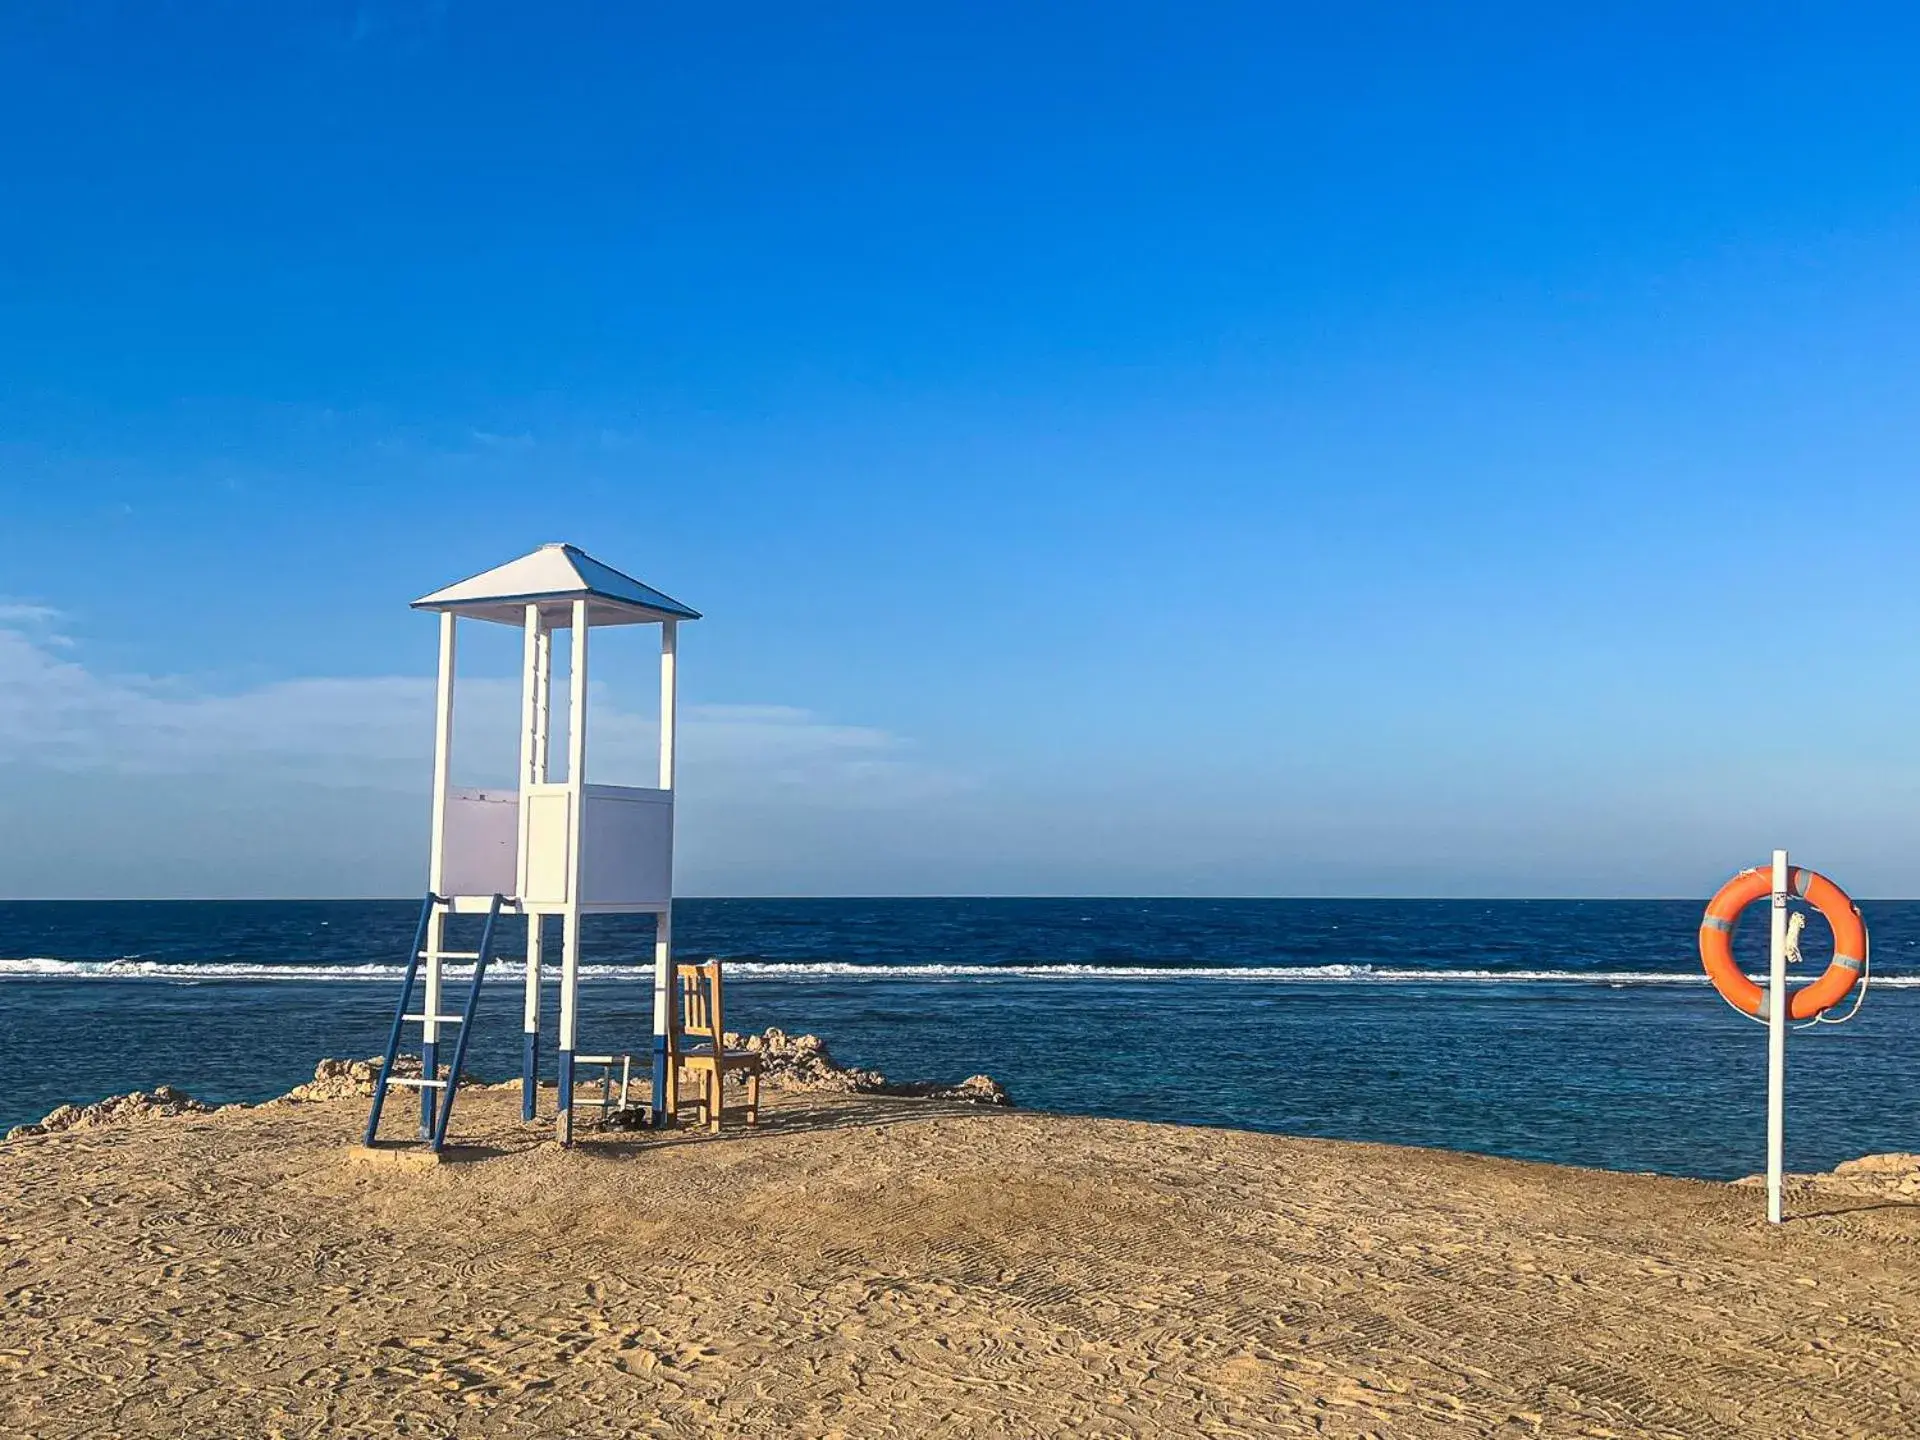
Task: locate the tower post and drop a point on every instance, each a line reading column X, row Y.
column 576, row 807
column 535, row 654
column 436, row 871
column 663, row 986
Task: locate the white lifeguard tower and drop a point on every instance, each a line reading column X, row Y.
column 549, row 847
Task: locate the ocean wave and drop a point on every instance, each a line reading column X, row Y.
column 175, row 970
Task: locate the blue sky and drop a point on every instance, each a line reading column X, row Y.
column 1120, row 449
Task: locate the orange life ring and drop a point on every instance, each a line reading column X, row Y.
column 1849, row 942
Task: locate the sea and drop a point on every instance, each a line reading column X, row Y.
column 1579, row 1032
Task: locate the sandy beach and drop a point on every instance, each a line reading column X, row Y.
column 866, row 1266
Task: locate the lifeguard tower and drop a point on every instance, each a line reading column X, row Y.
column 549, row 847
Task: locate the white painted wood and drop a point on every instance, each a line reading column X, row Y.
column 626, row 846
column 663, row 984
column 529, row 724
column 1777, row 1041
column 436, row 866
column 576, row 786
column 661, row 869
column 669, row 716
column 536, row 947
column 577, row 697
column 550, row 844
column 562, row 573
column 481, row 844
column 479, row 904
column 442, row 747
column 569, row 984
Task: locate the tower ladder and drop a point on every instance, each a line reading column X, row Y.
column 434, row 1117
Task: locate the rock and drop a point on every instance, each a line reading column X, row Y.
column 1896, row 1162
column 1896, row 1173
column 975, row 1090
column 162, row 1100
column 353, row 1079
column 348, row 1079
column 981, row 1090
column 802, row 1064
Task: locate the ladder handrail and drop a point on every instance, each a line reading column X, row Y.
column 399, row 1018
column 481, row 956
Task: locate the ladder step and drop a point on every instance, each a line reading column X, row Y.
column 415, row 1082
column 443, row 1019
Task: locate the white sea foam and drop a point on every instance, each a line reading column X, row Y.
column 174, row 970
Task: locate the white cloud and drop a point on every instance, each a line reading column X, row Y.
column 58, row 714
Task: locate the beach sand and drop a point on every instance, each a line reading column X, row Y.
column 865, row 1266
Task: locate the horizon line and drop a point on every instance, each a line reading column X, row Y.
column 956, row 895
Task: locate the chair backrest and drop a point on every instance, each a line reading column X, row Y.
column 701, row 1012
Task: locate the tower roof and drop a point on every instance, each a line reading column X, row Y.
column 556, row 574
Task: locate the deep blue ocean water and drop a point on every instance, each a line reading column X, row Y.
column 1572, row 1031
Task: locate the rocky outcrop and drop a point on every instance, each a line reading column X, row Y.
column 348, row 1079
column 114, row 1110
column 980, row 1089
column 353, row 1079
column 1895, row 1174
column 802, row 1063
column 794, row 1063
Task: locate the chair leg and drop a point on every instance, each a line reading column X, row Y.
column 717, row 1082
column 753, row 1097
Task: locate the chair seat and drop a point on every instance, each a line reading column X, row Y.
column 727, row 1057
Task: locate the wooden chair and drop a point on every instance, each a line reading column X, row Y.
column 703, row 1020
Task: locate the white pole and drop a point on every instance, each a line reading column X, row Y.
column 576, row 817
column 669, row 719
column 530, row 741
column 536, row 920
column 436, row 868
column 663, row 992
column 530, row 1025
column 1777, row 1039
column 577, row 712
column 442, row 748
column 663, row 1017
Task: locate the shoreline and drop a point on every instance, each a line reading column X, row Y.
column 807, row 1068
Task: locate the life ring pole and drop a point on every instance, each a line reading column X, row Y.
column 1777, row 1039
